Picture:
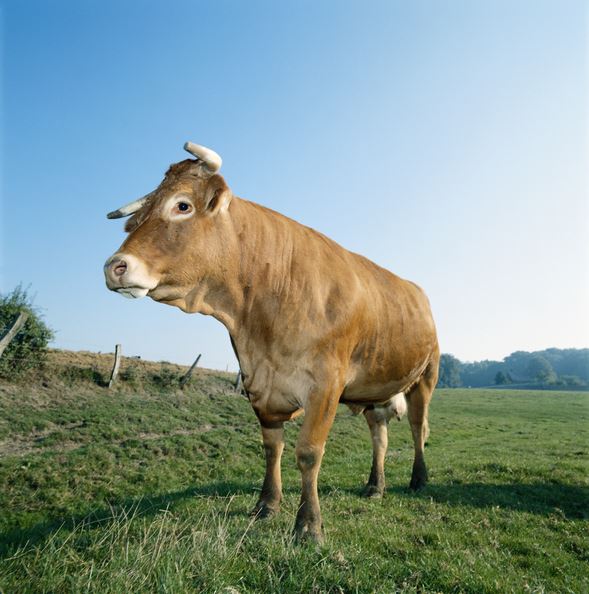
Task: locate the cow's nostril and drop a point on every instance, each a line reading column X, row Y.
column 120, row 268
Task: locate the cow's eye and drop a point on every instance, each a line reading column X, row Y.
column 183, row 207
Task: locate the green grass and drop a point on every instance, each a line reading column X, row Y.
column 148, row 491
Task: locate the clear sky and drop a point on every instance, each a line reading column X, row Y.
column 445, row 140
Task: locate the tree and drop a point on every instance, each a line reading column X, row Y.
column 501, row 379
column 540, row 370
column 479, row 373
column 29, row 347
column 569, row 362
column 516, row 365
column 449, row 372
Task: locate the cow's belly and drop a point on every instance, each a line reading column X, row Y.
column 373, row 393
column 365, row 387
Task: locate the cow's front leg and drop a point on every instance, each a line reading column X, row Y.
column 269, row 502
column 319, row 415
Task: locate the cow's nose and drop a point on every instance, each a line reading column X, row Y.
column 119, row 267
column 114, row 268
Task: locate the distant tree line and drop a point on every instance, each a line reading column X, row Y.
column 551, row 368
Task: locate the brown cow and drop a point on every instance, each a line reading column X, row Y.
column 311, row 323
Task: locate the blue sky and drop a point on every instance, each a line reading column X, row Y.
column 448, row 141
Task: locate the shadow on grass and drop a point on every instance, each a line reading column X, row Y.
column 141, row 506
column 570, row 501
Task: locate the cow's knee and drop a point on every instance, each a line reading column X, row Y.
column 308, row 457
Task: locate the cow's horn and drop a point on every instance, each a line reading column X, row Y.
column 210, row 158
column 128, row 209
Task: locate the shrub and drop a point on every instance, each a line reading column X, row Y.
column 72, row 374
column 29, row 347
column 130, row 375
column 165, row 379
column 571, row 380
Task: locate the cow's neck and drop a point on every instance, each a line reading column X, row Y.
column 254, row 263
column 217, row 294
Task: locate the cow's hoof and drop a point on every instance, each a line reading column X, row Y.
column 373, row 492
column 418, row 476
column 308, row 535
column 418, row 482
column 263, row 510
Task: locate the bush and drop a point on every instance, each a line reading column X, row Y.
column 29, row 347
column 165, row 379
column 571, row 381
column 72, row 374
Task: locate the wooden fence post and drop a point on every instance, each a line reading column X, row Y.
column 184, row 379
column 16, row 327
column 115, row 368
column 238, row 382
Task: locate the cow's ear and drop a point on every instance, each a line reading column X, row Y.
column 217, row 197
column 131, row 224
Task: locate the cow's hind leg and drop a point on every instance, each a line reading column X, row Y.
column 378, row 425
column 378, row 418
column 269, row 502
column 418, row 400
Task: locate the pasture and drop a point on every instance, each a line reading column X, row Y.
column 147, row 488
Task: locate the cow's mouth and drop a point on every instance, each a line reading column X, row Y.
column 132, row 292
column 164, row 293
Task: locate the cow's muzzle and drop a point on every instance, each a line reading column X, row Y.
column 128, row 275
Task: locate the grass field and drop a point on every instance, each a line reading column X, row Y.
column 146, row 488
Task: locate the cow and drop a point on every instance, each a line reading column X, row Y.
column 312, row 324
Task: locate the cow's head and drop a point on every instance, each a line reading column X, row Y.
column 174, row 232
